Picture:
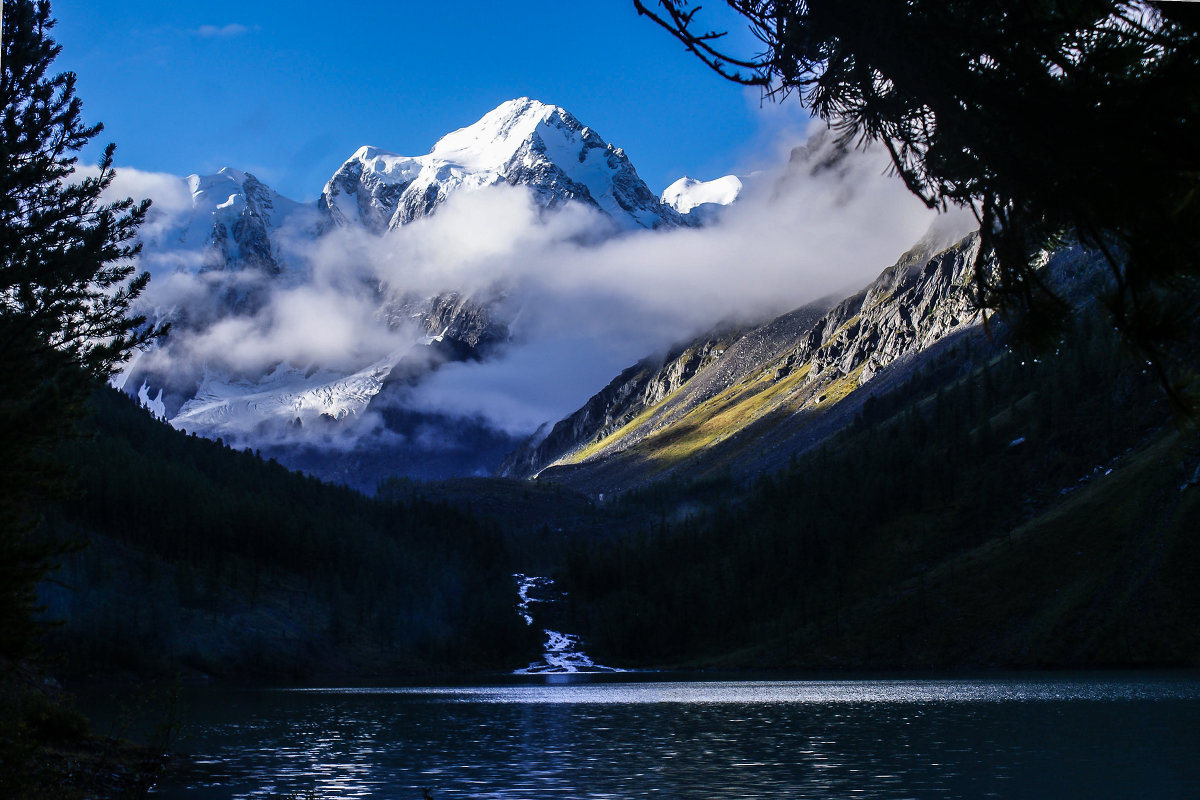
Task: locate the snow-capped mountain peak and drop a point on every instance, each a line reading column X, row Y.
column 491, row 142
column 522, row 142
column 231, row 194
column 231, row 225
column 223, row 189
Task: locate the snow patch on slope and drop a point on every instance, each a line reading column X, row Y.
column 155, row 406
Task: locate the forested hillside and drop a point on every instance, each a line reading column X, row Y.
column 993, row 506
column 198, row 557
column 998, row 509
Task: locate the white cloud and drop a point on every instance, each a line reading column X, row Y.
column 303, row 325
column 588, row 311
column 169, row 196
column 232, row 29
column 583, row 307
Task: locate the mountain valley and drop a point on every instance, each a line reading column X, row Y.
column 813, row 487
column 240, row 262
column 829, row 427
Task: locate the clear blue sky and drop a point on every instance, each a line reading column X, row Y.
column 288, row 90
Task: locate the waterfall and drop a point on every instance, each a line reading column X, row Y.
column 561, row 651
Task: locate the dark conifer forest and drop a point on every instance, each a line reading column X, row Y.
column 197, row 556
column 1002, row 508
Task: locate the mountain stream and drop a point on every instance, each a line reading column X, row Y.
column 561, row 651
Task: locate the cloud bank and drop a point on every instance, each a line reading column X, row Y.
column 581, row 305
column 799, row 233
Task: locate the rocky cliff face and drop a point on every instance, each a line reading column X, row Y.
column 469, row 327
column 757, row 388
column 906, row 309
column 234, row 223
column 364, row 191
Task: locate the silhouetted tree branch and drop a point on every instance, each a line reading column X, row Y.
column 1051, row 120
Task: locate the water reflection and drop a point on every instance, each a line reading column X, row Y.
column 1087, row 737
column 585, row 689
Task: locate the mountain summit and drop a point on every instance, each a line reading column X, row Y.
column 522, row 142
column 232, row 224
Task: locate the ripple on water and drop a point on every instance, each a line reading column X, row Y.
column 1098, row 737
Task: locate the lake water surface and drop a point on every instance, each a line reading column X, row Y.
column 635, row 736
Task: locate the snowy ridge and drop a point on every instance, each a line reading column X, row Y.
column 522, row 142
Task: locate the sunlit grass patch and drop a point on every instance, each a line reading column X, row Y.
column 721, row 417
column 615, row 438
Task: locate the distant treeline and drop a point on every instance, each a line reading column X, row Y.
column 194, row 555
column 967, row 518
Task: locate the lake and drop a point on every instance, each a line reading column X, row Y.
column 636, row 735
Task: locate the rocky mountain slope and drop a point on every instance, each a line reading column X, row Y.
column 747, row 399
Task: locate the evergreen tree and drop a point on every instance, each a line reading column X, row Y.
column 67, row 280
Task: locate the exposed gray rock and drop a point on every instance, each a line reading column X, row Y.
column 906, row 308
column 375, row 199
column 469, row 325
column 911, row 306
